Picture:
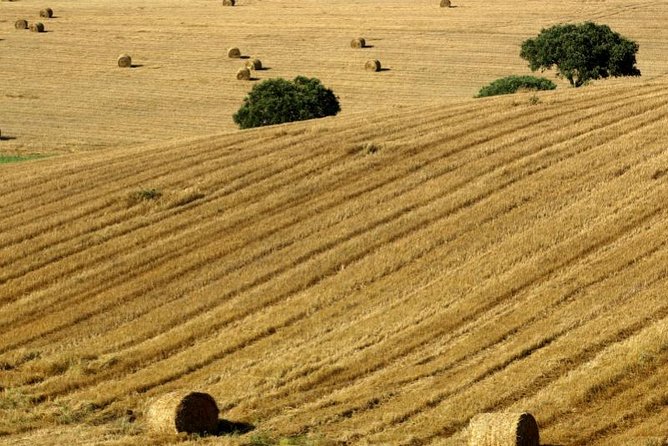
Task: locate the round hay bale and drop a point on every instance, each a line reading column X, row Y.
column 254, row 64
column 124, row 61
column 243, row 74
column 503, row 429
column 233, row 53
column 37, row 27
column 191, row 412
column 358, row 43
column 228, row 2
column 21, row 24
column 445, row 4
column 47, row 13
column 372, row 65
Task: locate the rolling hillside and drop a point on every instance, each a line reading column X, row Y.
column 373, row 279
column 62, row 92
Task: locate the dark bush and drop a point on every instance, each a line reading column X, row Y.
column 510, row 84
column 581, row 52
column 275, row 101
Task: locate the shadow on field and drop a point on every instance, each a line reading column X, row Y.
column 244, row 57
column 384, row 69
column 227, row 427
column 136, row 65
column 7, row 138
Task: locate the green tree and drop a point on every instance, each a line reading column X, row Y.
column 511, row 84
column 581, row 52
column 275, row 101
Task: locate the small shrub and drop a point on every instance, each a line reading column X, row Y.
column 511, row 84
column 143, row 195
column 276, row 101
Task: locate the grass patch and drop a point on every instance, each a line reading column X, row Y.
column 6, row 159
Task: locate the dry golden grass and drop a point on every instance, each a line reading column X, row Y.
column 376, row 282
column 380, row 277
column 88, row 104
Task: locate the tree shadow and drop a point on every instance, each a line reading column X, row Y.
column 227, row 427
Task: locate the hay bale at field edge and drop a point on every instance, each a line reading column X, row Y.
column 503, row 429
column 21, row 24
column 446, row 4
column 358, row 43
column 124, row 61
column 372, row 65
column 233, row 53
column 37, row 27
column 254, row 64
column 229, row 2
column 183, row 411
column 47, row 13
column 243, row 74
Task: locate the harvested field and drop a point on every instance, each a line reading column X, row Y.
column 433, row 55
column 494, row 255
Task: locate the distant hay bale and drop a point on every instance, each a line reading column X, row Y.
column 233, row 53
column 37, row 27
column 372, row 65
column 191, row 412
column 358, row 43
column 228, row 2
column 124, row 61
column 47, row 13
column 446, row 4
column 243, row 74
column 503, row 429
column 254, row 64
column 21, row 24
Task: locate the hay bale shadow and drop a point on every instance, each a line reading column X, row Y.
column 244, row 57
column 384, row 69
column 228, row 427
column 136, row 65
column 7, row 138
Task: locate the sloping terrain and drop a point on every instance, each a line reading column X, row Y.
column 61, row 91
column 376, row 279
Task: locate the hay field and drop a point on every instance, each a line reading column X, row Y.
column 61, row 91
column 375, row 280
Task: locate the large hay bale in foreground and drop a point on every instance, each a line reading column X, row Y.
column 228, row 2
column 372, row 65
column 445, row 4
column 243, row 74
column 124, row 61
column 21, row 24
column 47, row 13
column 358, row 43
column 191, row 412
column 233, row 53
column 503, row 429
column 254, row 64
column 37, row 27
